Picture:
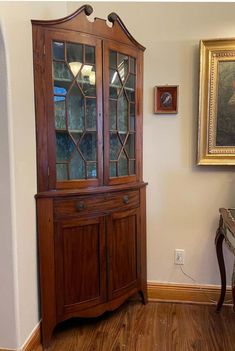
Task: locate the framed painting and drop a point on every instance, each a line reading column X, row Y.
column 166, row 99
column 216, row 130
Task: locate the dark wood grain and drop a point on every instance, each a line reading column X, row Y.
column 122, row 239
column 143, row 246
column 154, row 327
column 100, row 203
column 47, row 267
column 87, row 9
column 78, row 21
column 91, row 231
column 139, row 114
column 219, row 252
column 91, row 190
column 80, row 265
column 40, row 109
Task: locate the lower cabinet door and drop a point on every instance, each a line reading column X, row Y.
column 123, row 252
column 80, row 265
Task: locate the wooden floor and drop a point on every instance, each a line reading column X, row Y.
column 154, row 327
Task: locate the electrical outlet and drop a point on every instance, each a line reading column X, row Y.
column 179, row 256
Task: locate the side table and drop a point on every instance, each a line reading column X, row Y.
column 225, row 232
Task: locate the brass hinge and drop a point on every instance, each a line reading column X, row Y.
column 44, row 49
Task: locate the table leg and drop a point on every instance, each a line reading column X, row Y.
column 219, row 250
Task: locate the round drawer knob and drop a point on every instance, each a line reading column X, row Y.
column 125, row 199
column 80, row 206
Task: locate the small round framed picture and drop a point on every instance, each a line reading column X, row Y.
column 166, row 99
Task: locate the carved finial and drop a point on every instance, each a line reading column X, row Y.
column 88, row 10
column 112, row 17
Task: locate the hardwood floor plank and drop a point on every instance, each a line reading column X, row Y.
column 154, row 327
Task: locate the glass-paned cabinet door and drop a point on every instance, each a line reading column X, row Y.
column 122, row 107
column 76, row 72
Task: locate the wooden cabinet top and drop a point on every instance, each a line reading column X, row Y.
column 79, row 22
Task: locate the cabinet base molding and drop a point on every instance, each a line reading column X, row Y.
column 183, row 293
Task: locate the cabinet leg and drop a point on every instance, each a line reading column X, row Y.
column 144, row 296
column 219, row 250
column 46, row 335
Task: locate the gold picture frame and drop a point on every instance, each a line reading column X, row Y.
column 216, row 131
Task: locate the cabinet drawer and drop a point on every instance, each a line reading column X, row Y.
column 98, row 203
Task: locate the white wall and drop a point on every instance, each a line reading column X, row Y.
column 18, row 251
column 7, row 292
column 182, row 199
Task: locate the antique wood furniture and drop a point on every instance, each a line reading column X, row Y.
column 225, row 232
column 91, row 195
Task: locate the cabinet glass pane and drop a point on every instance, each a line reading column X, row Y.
column 132, row 65
column 58, row 50
column 88, row 146
column 113, row 59
column 74, row 52
column 132, row 166
column 91, row 114
column 113, row 169
column 87, row 80
column 91, row 170
column 130, row 146
column 122, row 136
column 61, row 72
column 123, row 65
column 75, row 67
column 132, row 117
column 76, row 136
column 61, row 171
column 114, row 84
column 130, row 87
column 89, row 54
column 75, row 110
column 112, row 114
column 64, row 146
column 115, row 146
column 122, row 112
column 77, row 167
column 122, row 116
column 60, row 114
column 122, row 165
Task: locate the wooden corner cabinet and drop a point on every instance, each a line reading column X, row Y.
column 91, row 196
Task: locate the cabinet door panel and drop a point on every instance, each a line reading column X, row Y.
column 123, row 251
column 80, row 264
column 74, row 105
column 123, row 113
